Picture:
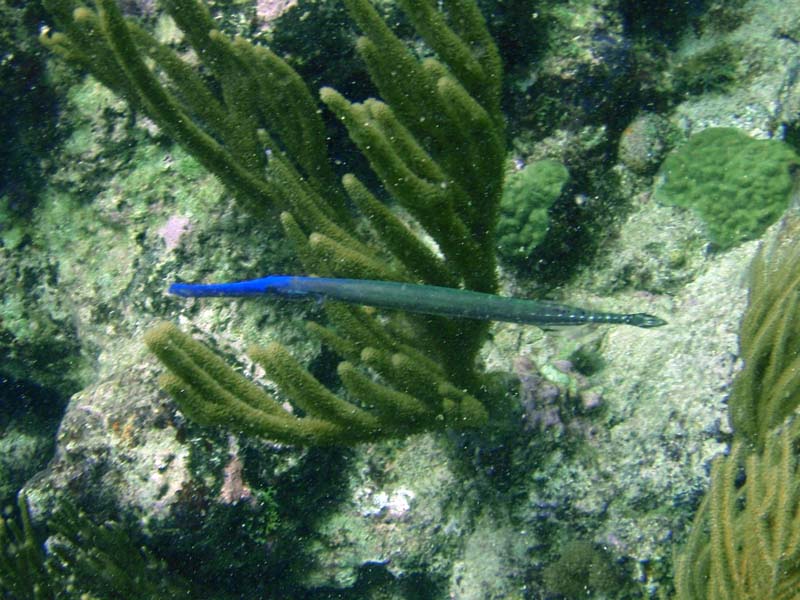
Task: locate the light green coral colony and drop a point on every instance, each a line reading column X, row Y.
column 527, row 196
column 737, row 185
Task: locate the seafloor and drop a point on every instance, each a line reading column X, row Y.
column 589, row 482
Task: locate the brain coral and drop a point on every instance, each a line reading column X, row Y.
column 737, row 185
column 527, row 195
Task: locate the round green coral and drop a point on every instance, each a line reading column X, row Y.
column 527, row 195
column 737, row 185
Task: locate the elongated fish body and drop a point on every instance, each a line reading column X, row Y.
column 425, row 299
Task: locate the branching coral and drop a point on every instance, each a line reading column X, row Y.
column 745, row 540
column 219, row 395
column 23, row 573
column 82, row 560
column 102, row 561
column 436, row 143
column 767, row 389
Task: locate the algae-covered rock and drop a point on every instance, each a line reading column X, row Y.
column 527, row 196
column 644, row 143
column 25, row 445
column 737, row 185
column 582, row 569
column 710, row 71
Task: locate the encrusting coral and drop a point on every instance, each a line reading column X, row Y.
column 435, row 141
column 736, row 184
column 527, row 197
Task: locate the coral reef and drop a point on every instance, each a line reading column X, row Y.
column 555, row 397
column 436, row 145
column 25, row 443
column 737, row 185
column 28, row 104
column 421, row 516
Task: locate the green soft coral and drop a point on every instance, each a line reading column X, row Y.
column 436, row 142
column 737, row 185
column 767, row 389
column 80, row 560
column 745, row 539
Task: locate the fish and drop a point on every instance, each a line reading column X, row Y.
column 417, row 298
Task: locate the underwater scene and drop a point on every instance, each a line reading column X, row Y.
column 400, row 300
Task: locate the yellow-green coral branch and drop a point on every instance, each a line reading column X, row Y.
column 767, row 389
column 398, row 238
column 436, row 142
column 745, row 540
